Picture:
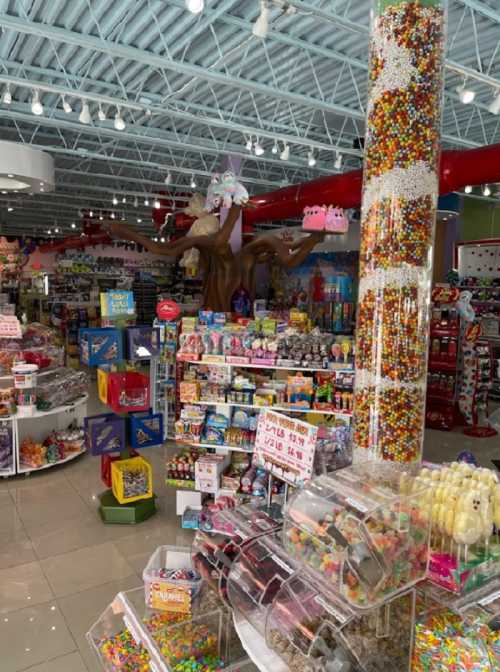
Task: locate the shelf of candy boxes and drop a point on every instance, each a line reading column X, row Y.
column 237, row 344
column 59, row 446
column 457, row 633
column 464, row 504
column 176, row 623
column 326, row 391
column 482, row 289
column 443, row 352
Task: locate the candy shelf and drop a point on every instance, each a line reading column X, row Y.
column 281, row 409
column 28, row 470
column 200, row 362
column 239, row 449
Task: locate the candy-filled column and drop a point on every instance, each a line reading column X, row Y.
column 400, row 191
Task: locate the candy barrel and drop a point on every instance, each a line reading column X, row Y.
column 256, row 578
column 397, row 229
column 221, row 539
column 312, row 629
column 359, row 535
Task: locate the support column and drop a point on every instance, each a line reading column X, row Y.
column 400, row 190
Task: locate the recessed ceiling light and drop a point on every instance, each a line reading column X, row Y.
column 10, row 175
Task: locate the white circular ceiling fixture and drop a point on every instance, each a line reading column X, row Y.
column 24, row 169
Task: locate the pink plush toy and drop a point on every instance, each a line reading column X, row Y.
column 314, row 218
column 336, row 221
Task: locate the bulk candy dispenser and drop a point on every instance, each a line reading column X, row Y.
column 256, row 577
column 356, row 532
column 221, row 539
column 313, row 630
column 131, row 636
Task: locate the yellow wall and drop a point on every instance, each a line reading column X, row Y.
column 480, row 219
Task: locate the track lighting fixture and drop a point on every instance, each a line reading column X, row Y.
column 494, row 106
column 193, row 183
column 124, row 199
column 85, row 116
column 139, row 220
column 466, row 95
column 7, row 96
column 155, row 239
column 10, row 208
column 36, row 105
column 486, row 190
column 157, row 204
column 285, row 154
column 258, row 148
column 56, row 230
column 338, row 161
column 115, row 200
column 101, row 114
column 49, row 232
column 261, row 26
column 119, row 122
column 112, row 215
column 168, row 178
column 66, row 105
column 468, row 189
column 311, row 160
column 195, row 6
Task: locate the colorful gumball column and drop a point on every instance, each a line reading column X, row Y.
column 402, row 151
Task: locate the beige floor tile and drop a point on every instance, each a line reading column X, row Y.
column 82, row 610
column 83, row 569
column 33, row 636
column 14, row 553
column 11, row 525
column 48, row 505
column 22, row 586
column 72, row 662
column 138, row 546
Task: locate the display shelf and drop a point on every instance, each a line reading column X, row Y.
column 240, row 449
column 200, row 362
column 442, row 366
column 56, row 410
column 24, row 469
column 485, row 303
column 255, row 645
column 281, row 409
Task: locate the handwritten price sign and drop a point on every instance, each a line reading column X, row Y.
column 285, row 447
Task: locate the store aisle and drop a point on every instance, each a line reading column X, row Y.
column 60, row 566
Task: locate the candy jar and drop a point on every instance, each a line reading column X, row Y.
column 400, row 193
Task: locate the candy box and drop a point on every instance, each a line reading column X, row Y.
column 170, row 583
column 143, row 342
column 189, row 391
column 100, row 346
column 131, row 480
column 462, row 577
column 105, row 433
column 208, row 470
column 145, row 429
column 190, row 519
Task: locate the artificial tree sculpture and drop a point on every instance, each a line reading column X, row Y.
column 225, row 270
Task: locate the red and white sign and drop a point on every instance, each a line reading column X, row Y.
column 168, row 310
column 285, row 447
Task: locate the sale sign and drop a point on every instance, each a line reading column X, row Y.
column 285, row 447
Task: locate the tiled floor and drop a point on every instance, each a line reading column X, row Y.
column 60, row 566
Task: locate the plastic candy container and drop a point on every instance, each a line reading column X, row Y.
column 100, row 346
column 256, row 578
column 225, row 533
column 358, row 532
column 60, row 386
column 398, row 215
column 314, row 630
column 168, row 584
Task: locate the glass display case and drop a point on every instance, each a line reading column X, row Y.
column 131, row 636
column 221, row 538
column 256, row 577
column 356, row 530
column 314, row 630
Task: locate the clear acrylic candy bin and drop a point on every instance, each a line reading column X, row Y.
column 229, row 531
column 256, row 578
column 164, row 639
column 361, row 536
column 169, row 593
column 314, row 630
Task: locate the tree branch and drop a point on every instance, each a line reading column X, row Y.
column 287, row 259
column 224, row 234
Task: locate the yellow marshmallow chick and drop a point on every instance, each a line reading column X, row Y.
column 486, row 512
column 496, row 507
column 436, row 474
column 487, row 477
column 450, row 507
column 467, row 528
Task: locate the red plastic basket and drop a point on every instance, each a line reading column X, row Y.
column 128, row 391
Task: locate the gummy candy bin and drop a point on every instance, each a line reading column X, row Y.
column 355, row 530
column 312, row 629
column 230, row 530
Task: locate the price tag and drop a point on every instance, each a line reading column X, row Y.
column 356, row 504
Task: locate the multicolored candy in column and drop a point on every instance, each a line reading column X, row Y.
column 398, row 214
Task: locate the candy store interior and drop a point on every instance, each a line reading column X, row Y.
column 250, row 336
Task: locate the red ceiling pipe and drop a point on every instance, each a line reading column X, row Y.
column 458, row 168
column 76, row 242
